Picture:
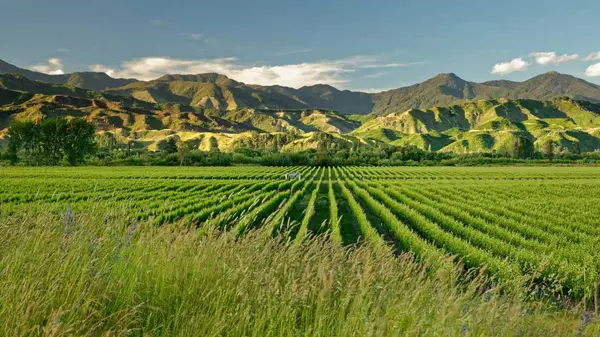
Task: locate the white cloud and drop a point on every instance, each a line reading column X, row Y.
column 546, row 58
column 293, row 75
column 593, row 56
column 52, row 67
column 391, row 65
column 102, row 69
column 372, row 62
column 371, row 90
column 593, row 70
column 506, row 68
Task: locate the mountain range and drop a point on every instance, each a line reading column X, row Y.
column 449, row 89
column 444, row 113
column 86, row 80
column 222, row 93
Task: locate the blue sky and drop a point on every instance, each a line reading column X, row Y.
column 359, row 45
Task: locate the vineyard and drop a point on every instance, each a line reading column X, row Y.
column 536, row 222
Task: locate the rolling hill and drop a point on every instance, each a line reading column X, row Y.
column 143, row 124
column 489, row 125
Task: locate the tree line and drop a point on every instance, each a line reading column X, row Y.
column 50, row 141
column 53, row 141
column 408, row 155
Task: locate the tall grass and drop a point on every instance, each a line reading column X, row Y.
column 102, row 278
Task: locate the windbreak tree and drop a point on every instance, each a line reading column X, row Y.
column 51, row 140
column 79, row 140
column 24, row 137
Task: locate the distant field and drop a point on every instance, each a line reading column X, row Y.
column 517, row 221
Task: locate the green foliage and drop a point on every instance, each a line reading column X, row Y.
column 548, row 149
column 334, row 218
column 78, row 140
column 50, row 140
column 383, row 156
column 265, row 141
column 310, row 210
column 367, row 232
column 522, row 147
column 171, row 145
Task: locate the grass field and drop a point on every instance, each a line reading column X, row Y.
column 173, row 251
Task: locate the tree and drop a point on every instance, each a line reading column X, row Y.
column 106, row 141
column 182, row 150
column 79, row 140
column 52, row 137
column 50, row 140
column 213, row 144
column 171, row 145
column 522, row 147
column 14, row 143
column 22, row 135
column 575, row 148
column 407, row 152
column 548, row 149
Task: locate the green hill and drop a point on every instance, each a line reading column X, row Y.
column 550, row 85
column 449, row 89
column 491, row 115
column 143, row 124
column 489, row 125
column 477, row 126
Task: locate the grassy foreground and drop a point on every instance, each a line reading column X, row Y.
column 94, row 276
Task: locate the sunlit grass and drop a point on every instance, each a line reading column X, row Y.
column 95, row 275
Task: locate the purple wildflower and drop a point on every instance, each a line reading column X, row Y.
column 69, row 220
column 586, row 318
column 130, row 232
column 68, row 217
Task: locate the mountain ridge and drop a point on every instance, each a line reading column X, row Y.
column 85, row 79
column 213, row 90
